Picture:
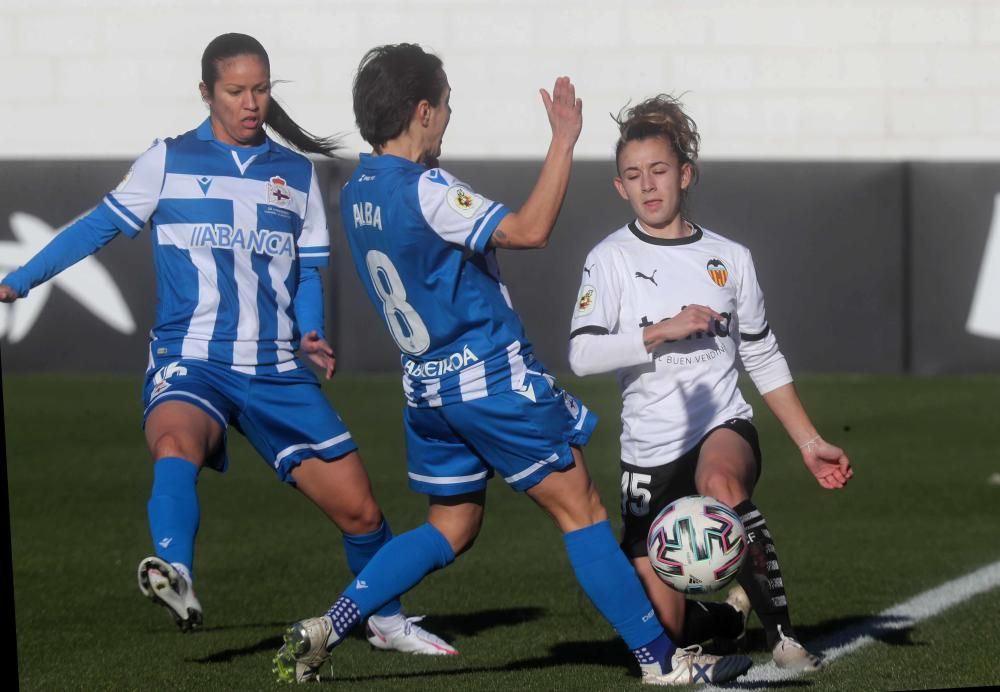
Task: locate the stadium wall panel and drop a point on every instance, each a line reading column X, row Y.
column 867, row 267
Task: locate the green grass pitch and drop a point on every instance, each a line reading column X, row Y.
column 919, row 512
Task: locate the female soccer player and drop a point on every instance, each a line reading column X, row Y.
column 477, row 400
column 239, row 232
column 669, row 305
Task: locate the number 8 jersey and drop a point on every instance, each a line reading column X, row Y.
column 420, row 243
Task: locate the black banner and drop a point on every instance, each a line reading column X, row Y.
column 866, row 267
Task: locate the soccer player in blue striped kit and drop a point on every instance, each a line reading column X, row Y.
column 239, row 233
column 478, row 402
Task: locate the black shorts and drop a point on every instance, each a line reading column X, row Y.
column 647, row 490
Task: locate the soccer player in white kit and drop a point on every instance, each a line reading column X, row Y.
column 478, row 401
column 669, row 306
column 239, row 233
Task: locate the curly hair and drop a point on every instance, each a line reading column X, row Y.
column 660, row 116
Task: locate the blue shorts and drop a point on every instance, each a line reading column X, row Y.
column 455, row 449
column 284, row 415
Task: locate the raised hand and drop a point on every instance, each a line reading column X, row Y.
column 564, row 109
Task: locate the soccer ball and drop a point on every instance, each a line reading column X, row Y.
column 696, row 544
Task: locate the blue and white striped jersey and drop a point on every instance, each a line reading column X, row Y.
column 419, row 239
column 230, row 226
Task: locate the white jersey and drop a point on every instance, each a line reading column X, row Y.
column 672, row 397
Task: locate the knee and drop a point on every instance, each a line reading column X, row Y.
column 359, row 517
column 459, row 529
column 722, row 486
column 461, row 537
column 170, row 444
column 579, row 512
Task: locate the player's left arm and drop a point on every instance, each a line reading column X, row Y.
column 767, row 367
column 827, row 462
column 308, row 305
column 313, row 243
column 313, row 253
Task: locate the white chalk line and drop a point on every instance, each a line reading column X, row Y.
column 901, row 616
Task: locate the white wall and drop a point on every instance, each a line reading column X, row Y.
column 863, row 79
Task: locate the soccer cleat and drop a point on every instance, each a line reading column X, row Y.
column 408, row 637
column 789, row 654
column 304, row 650
column 689, row 665
column 161, row 583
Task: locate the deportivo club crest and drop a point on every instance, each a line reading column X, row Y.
column 278, row 192
column 717, row 272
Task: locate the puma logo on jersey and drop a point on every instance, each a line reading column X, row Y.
column 367, row 214
column 652, row 278
column 587, row 269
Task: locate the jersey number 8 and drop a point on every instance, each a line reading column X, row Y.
column 405, row 325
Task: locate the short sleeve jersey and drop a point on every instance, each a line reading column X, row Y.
column 632, row 280
column 230, row 228
column 420, row 243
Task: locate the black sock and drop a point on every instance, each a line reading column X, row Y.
column 704, row 620
column 760, row 575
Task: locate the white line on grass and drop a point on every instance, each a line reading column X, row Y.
column 900, row 616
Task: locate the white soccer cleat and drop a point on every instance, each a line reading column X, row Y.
column 789, row 654
column 161, row 583
column 400, row 633
column 304, row 651
column 690, row 666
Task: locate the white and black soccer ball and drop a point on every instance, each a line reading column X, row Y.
column 696, row 544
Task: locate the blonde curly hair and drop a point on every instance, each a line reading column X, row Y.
column 660, row 116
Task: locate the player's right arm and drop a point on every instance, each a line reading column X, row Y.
column 596, row 342
column 80, row 239
column 125, row 209
column 531, row 226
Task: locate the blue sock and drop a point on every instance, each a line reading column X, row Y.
column 394, row 570
column 360, row 548
column 173, row 510
column 614, row 588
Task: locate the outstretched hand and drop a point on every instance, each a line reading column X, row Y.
column 7, row 294
column 827, row 463
column 319, row 352
column 564, row 109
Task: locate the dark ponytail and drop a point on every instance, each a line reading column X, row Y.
column 231, row 45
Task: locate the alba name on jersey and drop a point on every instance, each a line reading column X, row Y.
column 419, row 240
column 230, row 226
column 675, row 395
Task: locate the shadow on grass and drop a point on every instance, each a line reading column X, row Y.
column 891, row 630
column 446, row 626
column 610, row 653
